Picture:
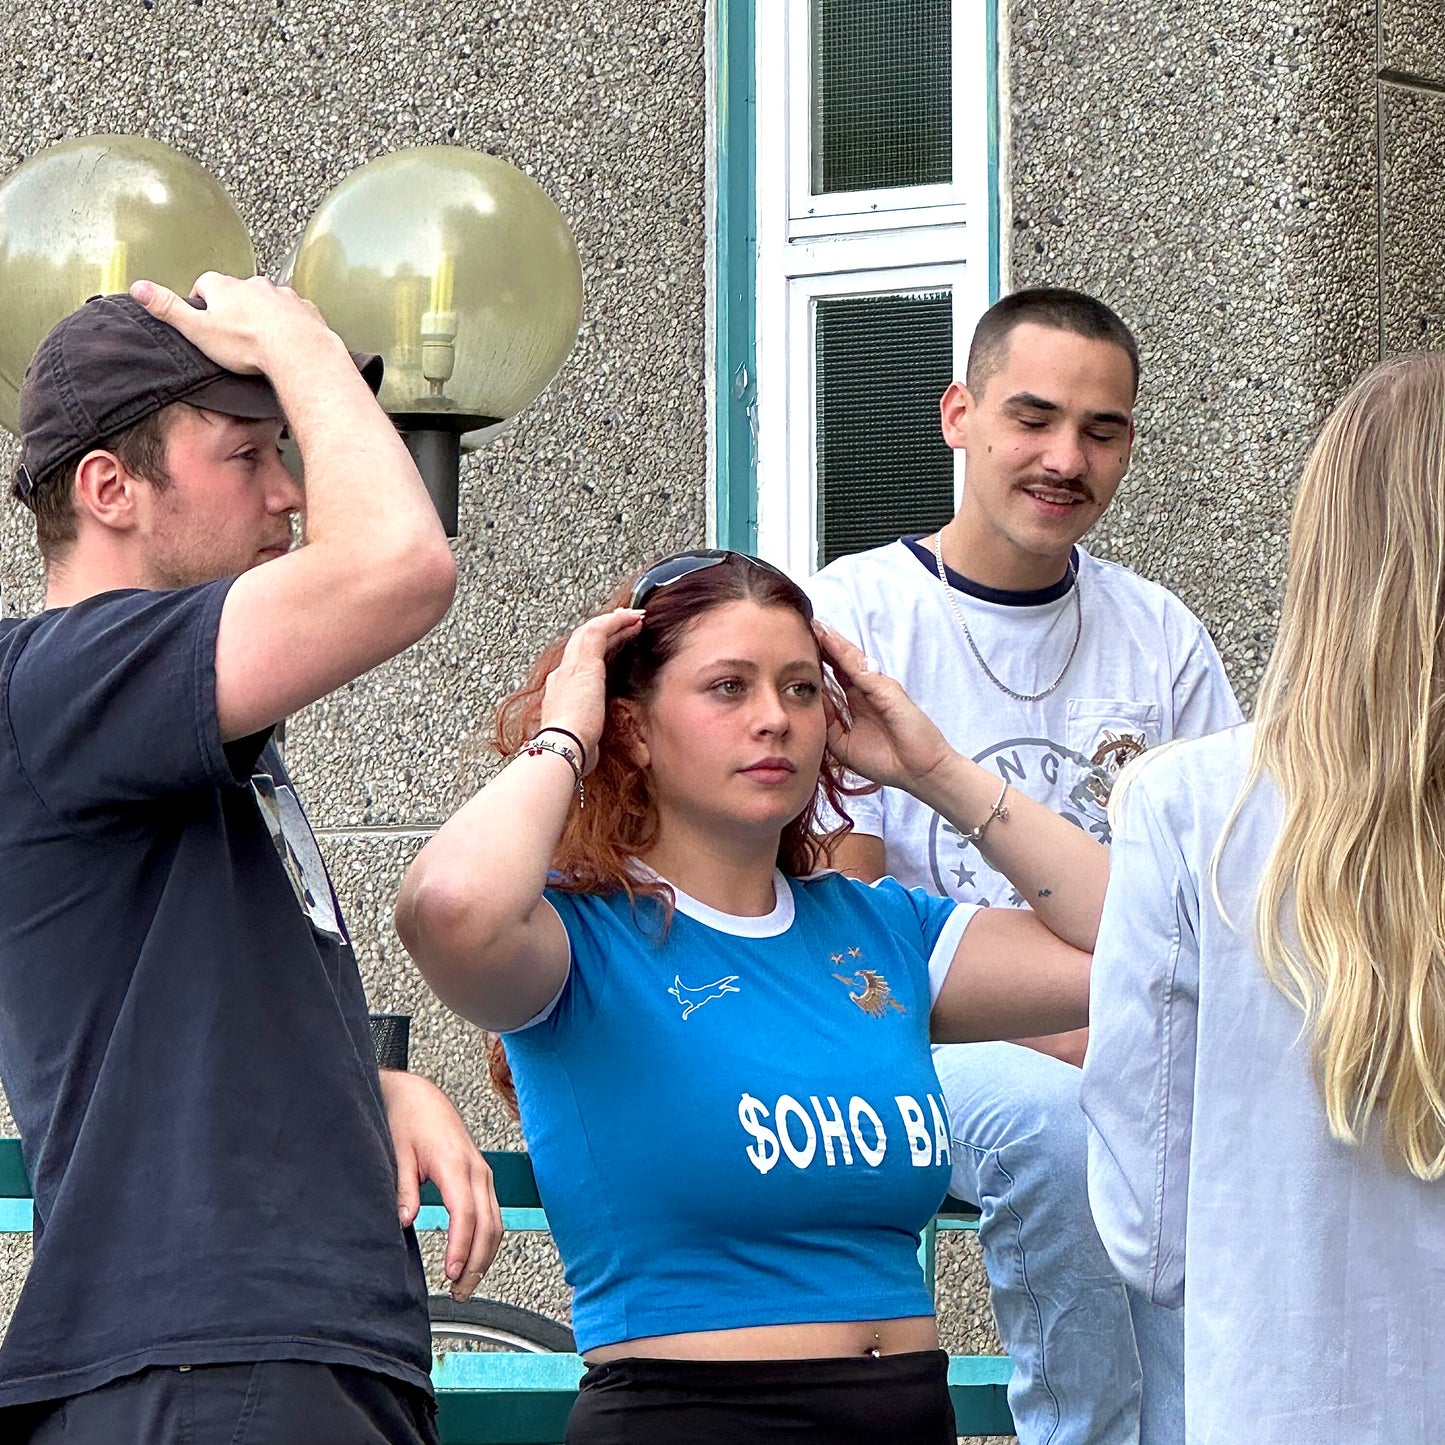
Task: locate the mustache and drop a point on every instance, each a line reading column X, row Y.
column 1076, row 489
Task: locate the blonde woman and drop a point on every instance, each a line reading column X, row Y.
column 1266, row 1075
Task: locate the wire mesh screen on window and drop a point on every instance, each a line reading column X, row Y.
column 883, row 469
column 881, row 89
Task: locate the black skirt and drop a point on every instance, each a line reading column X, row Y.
column 865, row 1400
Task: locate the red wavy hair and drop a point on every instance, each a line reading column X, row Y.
column 620, row 821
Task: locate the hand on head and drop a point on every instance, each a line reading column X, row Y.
column 243, row 323
column 886, row 737
column 575, row 696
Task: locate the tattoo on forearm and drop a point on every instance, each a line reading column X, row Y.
column 1046, row 892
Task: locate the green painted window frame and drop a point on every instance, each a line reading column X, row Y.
column 735, row 285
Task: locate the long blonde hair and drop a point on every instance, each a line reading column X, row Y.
column 1351, row 724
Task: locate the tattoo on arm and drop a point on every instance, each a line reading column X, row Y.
column 1046, row 892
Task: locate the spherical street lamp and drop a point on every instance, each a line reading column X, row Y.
column 88, row 216
column 460, row 271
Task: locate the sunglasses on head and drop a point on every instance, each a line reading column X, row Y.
column 684, row 564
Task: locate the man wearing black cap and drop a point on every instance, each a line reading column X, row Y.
column 217, row 1165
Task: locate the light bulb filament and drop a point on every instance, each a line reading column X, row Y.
column 113, row 277
column 441, row 283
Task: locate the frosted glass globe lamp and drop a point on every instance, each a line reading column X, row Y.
column 460, row 271
column 86, row 217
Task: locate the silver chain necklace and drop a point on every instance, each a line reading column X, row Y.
column 973, row 646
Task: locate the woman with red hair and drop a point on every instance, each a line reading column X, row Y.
column 721, row 1049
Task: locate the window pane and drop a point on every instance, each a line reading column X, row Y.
column 881, row 76
column 883, row 468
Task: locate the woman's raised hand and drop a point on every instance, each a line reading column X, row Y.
column 575, row 696
column 886, row 737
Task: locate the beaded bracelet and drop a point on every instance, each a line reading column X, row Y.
column 535, row 747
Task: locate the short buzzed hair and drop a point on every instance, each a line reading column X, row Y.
column 1051, row 306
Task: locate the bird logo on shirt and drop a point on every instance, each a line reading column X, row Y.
column 876, row 997
column 693, row 999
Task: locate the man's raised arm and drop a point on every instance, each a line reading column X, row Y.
column 376, row 573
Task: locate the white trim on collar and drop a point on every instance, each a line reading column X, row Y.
column 768, row 925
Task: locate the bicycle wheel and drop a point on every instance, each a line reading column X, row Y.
column 489, row 1324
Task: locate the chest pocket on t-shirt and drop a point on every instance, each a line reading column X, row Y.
column 1104, row 735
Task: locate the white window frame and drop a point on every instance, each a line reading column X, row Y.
column 789, row 517
column 805, row 208
column 917, row 238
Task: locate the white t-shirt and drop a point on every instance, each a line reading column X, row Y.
column 1145, row 672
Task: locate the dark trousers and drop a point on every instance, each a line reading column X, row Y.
column 276, row 1402
column 872, row 1400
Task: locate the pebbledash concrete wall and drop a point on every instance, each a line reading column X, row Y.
column 1256, row 188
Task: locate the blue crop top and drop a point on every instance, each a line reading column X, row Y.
column 739, row 1123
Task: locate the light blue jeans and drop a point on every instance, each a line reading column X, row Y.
column 1094, row 1363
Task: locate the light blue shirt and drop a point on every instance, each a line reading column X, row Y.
column 1311, row 1275
column 737, row 1122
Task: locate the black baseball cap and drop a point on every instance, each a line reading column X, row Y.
column 111, row 364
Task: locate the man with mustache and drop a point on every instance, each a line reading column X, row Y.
column 1053, row 668
column 224, row 1182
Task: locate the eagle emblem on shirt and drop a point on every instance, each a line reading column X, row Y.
column 875, row 998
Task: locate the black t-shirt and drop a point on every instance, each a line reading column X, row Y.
column 183, row 1035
